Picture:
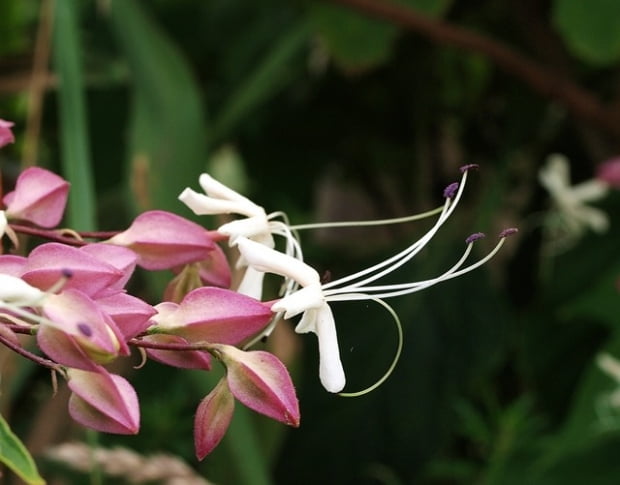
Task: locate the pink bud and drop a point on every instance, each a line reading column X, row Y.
column 212, row 419
column 215, row 315
column 121, row 258
column 184, row 359
column 164, row 240
column 261, row 382
column 78, row 333
column 40, row 197
column 103, row 401
column 609, row 172
column 6, row 135
column 12, row 264
column 48, row 262
column 130, row 313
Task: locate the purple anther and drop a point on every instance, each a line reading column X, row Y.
column 474, row 237
column 450, row 191
column 508, row 232
column 66, row 273
column 85, row 329
column 470, row 166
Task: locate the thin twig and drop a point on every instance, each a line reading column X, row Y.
column 576, row 99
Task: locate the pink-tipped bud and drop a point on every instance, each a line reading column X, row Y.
column 103, row 401
column 50, row 262
column 261, row 382
column 214, row 315
column 40, row 197
column 6, row 135
column 77, row 333
column 163, row 240
column 131, row 314
column 183, row 359
column 609, row 172
column 212, row 419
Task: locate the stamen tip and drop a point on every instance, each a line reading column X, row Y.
column 470, row 166
column 474, row 237
column 508, row 232
column 450, row 191
column 66, row 273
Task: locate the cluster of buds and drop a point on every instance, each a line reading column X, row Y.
column 70, row 293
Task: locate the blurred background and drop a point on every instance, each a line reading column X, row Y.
column 344, row 110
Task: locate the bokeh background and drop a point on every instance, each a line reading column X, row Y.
column 339, row 110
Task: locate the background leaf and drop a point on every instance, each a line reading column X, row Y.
column 590, row 29
column 15, row 456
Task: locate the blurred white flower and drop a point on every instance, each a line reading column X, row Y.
column 570, row 215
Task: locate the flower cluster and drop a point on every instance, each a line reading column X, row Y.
column 70, row 293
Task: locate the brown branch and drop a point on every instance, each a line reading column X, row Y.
column 577, row 100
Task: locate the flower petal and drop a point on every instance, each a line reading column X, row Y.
column 212, row 419
column 6, row 135
column 186, row 359
column 40, row 196
column 216, row 315
column 48, row 262
column 164, row 240
column 321, row 322
column 103, row 401
column 261, row 382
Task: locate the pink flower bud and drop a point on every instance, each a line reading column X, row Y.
column 12, row 264
column 261, row 382
column 184, row 359
column 103, row 401
column 164, row 240
column 214, row 315
column 40, row 197
column 212, row 419
column 48, row 262
column 6, row 135
column 78, row 334
column 121, row 258
column 609, row 172
column 130, row 313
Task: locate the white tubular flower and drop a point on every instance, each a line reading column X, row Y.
column 309, row 300
column 571, row 215
column 15, row 292
column 312, row 299
column 256, row 224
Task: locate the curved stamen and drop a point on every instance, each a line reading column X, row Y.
column 420, row 285
column 333, row 295
column 378, row 222
column 399, row 348
column 407, row 254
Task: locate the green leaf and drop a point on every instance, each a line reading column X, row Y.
column 168, row 134
column 14, row 455
column 269, row 76
column 590, row 29
column 358, row 42
column 354, row 41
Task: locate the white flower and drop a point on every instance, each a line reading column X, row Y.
column 312, row 299
column 256, row 224
column 571, row 215
column 15, row 292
